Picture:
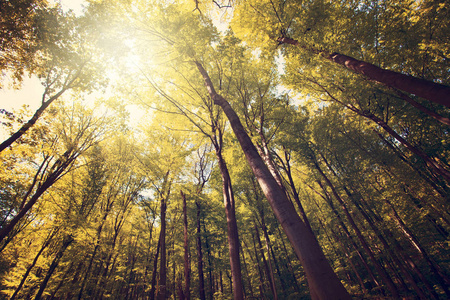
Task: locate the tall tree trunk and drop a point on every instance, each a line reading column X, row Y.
column 287, row 169
column 68, row 239
column 210, row 266
column 250, row 286
column 429, row 90
column 163, row 263
column 323, row 282
column 201, row 278
column 232, row 230
column 155, row 270
column 187, row 260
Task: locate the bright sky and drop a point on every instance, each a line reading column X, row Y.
column 31, row 89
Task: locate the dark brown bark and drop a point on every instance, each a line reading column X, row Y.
column 323, row 282
column 187, row 260
column 429, row 90
column 250, row 286
column 201, row 278
column 68, row 239
column 210, row 266
column 287, row 170
column 260, row 272
column 327, row 198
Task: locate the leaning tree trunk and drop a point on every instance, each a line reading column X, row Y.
column 27, row 273
column 323, row 282
column 44, row 104
column 429, row 90
column 68, row 239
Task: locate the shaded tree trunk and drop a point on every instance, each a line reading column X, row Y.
column 155, row 270
column 443, row 280
column 187, row 262
column 267, row 266
column 323, row 282
column 201, row 277
column 163, row 262
column 232, row 230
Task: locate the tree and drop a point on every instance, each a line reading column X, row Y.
column 60, row 68
column 311, row 255
column 76, row 133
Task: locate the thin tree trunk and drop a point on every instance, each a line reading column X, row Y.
column 210, row 267
column 441, row 277
column 262, row 289
column 33, row 263
column 201, row 278
column 62, row 280
column 94, row 252
column 155, row 270
column 232, row 231
column 39, row 112
column 423, row 109
column 163, row 263
column 187, row 262
column 429, row 90
column 68, row 239
column 250, row 286
column 267, row 266
column 381, row 271
column 288, row 172
column 323, row 282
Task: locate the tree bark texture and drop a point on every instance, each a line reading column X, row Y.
column 323, row 282
column 429, row 90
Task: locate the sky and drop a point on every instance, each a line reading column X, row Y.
column 31, row 90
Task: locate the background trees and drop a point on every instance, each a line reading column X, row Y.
column 91, row 202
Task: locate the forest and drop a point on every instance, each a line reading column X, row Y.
column 226, row 149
